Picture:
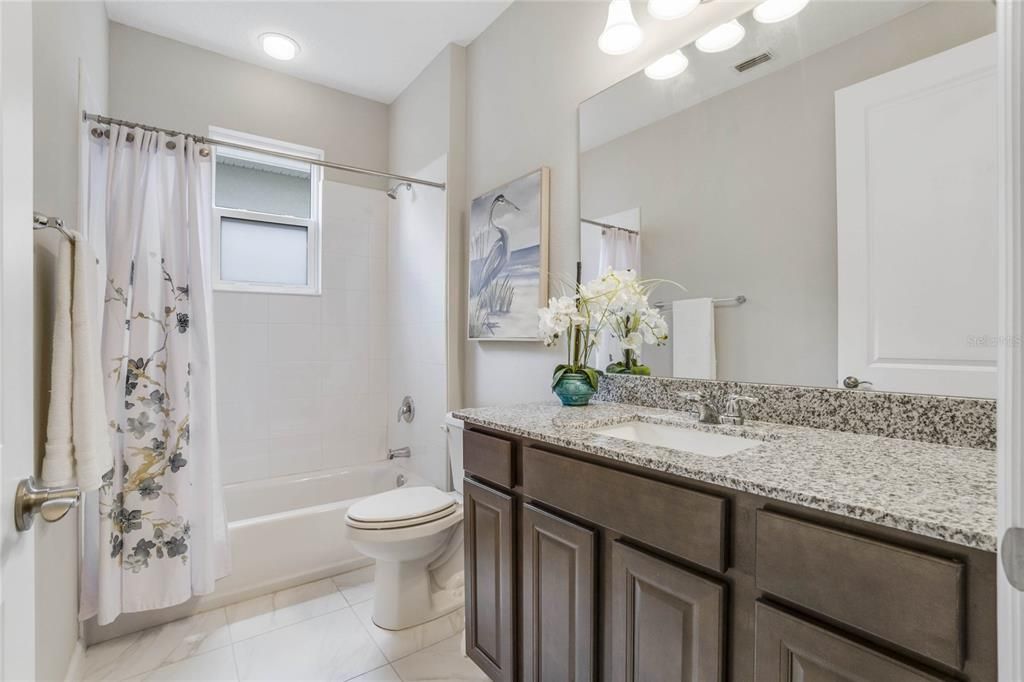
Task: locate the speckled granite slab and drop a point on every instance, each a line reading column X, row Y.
column 963, row 422
column 939, row 491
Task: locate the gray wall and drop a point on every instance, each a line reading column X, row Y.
column 65, row 35
column 526, row 75
column 738, row 196
column 166, row 83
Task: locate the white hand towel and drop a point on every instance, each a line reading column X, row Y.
column 77, row 443
column 693, row 339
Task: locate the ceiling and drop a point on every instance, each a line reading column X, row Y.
column 373, row 48
column 638, row 101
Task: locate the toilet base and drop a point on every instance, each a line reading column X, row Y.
column 404, row 598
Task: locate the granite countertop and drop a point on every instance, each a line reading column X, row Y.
column 938, row 491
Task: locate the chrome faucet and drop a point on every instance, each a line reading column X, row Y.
column 707, row 413
column 734, row 409
column 399, row 452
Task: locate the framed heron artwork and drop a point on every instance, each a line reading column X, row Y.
column 508, row 259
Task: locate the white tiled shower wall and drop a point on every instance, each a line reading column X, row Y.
column 302, row 380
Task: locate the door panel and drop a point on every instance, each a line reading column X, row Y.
column 916, row 209
column 667, row 622
column 790, row 649
column 558, row 599
column 17, row 441
column 490, row 569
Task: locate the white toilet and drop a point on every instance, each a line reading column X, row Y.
column 415, row 535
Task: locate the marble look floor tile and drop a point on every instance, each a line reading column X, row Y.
column 213, row 666
column 400, row 643
column 331, row 647
column 270, row 612
column 140, row 652
column 357, row 585
column 384, row 674
column 442, row 661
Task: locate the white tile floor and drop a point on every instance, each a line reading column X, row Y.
column 318, row 631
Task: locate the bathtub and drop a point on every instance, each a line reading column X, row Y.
column 283, row 532
column 290, row 530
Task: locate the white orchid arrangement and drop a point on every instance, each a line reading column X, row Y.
column 616, row 300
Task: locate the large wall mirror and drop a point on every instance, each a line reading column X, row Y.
column 826, row 192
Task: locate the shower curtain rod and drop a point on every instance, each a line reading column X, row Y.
column 608, row 226
column 106, row 120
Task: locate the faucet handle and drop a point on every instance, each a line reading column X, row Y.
column 734, row 405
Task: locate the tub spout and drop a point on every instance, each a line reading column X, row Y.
column 399, row 452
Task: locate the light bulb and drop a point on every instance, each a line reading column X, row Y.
column 621, row 33
column 667, row 10
column 773, row 11
column 279, row 46
column 721, row 38
column 669, row 66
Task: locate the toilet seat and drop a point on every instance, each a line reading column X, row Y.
column 401, row 508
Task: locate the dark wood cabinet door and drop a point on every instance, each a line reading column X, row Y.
column 790, row 649
column 558, row 599
column 668, row 622
column 488, row 520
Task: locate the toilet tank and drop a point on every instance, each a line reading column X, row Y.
column 453, row 428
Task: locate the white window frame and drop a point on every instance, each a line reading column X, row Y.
column 312, row 224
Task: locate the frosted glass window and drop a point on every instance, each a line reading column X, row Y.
column 262, row 187
column 263, row 253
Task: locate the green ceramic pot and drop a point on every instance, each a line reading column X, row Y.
column 574, row 389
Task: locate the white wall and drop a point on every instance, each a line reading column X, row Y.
column 526, row 75
column 302, row 380
column 705, row 176
column 417, row 329
column 427, row 126
column 67, row 37
column 166, row 83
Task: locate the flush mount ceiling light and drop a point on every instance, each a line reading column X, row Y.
column 621, row 34
column 669, row 66
column 773, row 11
column 721, row 38
column 667, row 10
column 279, row 46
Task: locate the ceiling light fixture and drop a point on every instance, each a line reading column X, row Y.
column 669, row 66
column 774, row 11
column 621, row 33
column 666, row 10
column 279, row 46
column 721, row 38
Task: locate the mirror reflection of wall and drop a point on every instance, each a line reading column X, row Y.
column 845, row 186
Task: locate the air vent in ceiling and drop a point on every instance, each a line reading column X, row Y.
column 753, row 61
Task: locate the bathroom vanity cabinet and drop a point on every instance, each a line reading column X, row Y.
column 579, row 567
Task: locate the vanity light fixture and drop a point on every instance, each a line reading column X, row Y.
column 669, row 66
column 279, row 46
column 774, row 11
column 666, row 10
column 722, row 37
column 621, row 33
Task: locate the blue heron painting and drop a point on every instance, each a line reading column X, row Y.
column 508, row 259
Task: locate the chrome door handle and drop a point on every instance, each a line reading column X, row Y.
column 854, row 382
column 50, row 503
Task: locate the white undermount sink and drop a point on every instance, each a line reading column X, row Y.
column 679, row 438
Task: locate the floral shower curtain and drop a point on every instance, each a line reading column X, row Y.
column 155, row 531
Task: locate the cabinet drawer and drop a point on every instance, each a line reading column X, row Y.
column 903, row 596
column 790, row 649
column 487, row 457
column 680, row 521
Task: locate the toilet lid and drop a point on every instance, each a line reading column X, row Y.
column 402, row 504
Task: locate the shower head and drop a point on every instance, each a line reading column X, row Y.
column 393, row 192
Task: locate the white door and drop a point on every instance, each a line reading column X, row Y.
column 916, row 208
column 17, row 550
